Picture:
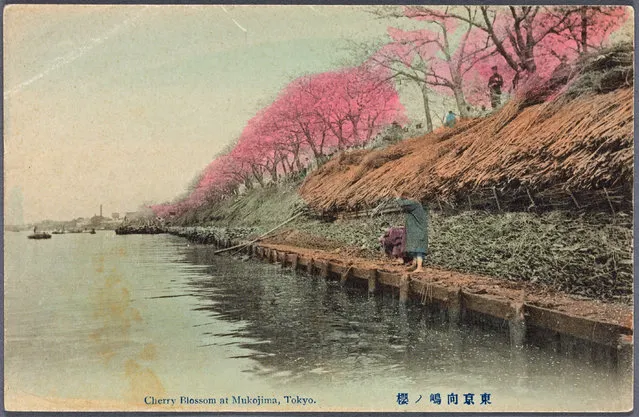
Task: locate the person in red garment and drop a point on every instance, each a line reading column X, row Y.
column 393, row 243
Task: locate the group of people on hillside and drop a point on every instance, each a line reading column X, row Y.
column 560, row 76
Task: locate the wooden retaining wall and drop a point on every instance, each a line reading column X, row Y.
column 459, row 304
column 526, row 323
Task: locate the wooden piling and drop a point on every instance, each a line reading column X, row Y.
column 532, row 201
column 612, row 209
column 525, row 321
column 517, row 325
column 404, row 285
column 455, row 306
column 574, row 200
column 345, row 275
column 517, row 321
column 324, row 269
column 372, row 282
column 625, row 353
column 496, row 198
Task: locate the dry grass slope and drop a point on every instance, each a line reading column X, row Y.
column 579, row 143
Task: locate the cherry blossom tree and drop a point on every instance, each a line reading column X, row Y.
column 312, row 116
column 460, row 44
column 532, row 39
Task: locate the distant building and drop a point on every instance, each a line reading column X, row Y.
column 115, row 216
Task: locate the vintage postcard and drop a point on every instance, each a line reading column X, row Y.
column 318, row 208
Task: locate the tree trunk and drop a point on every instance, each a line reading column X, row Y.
column 461, row 101
column 259, row 176
column 273, row 172
column 429, row 120
column 584, row 30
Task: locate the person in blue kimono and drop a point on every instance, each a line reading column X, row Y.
column 450, row 119
column 416, row 222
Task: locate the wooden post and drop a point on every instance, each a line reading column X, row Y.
column 470, row 204
column 455, row 306
column 294, row 262
column 573, row 198
column 372, row 282
column 496, row 198
column 517, row 322
column 404, row 284
column 273, row 256
column 532, row 202
column 309, row 266
column 324, row 269
column 609, row 202
column 283, row 264
column 624, row 353
column 345, row 275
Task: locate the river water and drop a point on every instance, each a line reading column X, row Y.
column 104, row 322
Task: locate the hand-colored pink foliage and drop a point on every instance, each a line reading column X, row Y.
column 312, row 117
column 441, row 54
column 545, row 35
column 550, row 47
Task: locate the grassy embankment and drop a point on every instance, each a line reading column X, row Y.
column 586, row 254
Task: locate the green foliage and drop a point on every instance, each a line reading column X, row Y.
column 588, row 255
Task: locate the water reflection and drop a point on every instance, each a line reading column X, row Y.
column 304, row 329
column 119, row 318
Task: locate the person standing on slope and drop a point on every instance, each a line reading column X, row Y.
column 495, row 82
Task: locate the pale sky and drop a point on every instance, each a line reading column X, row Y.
column 120, row 105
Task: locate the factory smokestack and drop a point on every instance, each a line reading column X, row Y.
column 100, row 210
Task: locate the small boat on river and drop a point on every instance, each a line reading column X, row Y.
column 40, row 235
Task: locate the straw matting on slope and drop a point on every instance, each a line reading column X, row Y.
column 584, row 144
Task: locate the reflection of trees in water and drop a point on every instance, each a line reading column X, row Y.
column 297, row 323
column 296, row 326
